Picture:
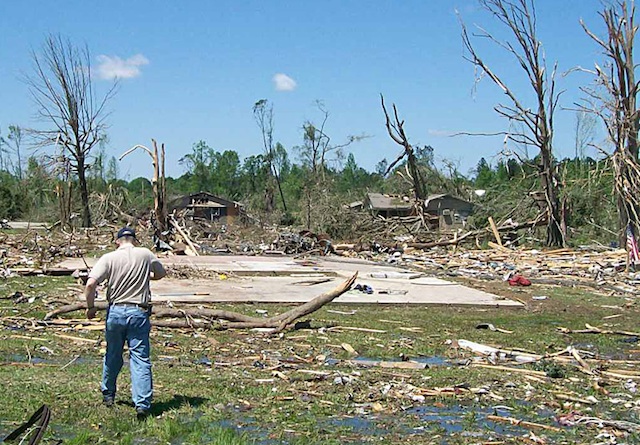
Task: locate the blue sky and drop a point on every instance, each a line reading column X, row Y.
column 192, row 70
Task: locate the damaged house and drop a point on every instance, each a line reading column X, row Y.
column 452, row 212
column 443, row 211
column 388, row 205
column 207, row 206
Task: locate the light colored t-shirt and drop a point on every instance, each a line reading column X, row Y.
column 127, row 271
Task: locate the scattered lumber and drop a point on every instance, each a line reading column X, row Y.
column 387, row 364
column 522, row 423
column 621, row 425
column 594, row 330
column 494, row 229
column 184, row 236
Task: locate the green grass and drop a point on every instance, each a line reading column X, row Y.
column 256, row 389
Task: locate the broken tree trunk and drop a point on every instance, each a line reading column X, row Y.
column 158, row 183
column 204, row 318
column 184, row 236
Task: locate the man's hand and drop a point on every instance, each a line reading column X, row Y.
column 91, row 313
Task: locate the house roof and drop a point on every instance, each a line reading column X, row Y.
column 435, row 202
column 202, row 199
column 378, row 201
column 445, row 195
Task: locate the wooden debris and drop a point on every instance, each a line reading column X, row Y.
column 184, row 236
column 522, row 423
column 594, row 330
column 494, row 229
column 621, row 425
column 78, row 339
column 491, row 327
column 510, row 369
column 347, row 347
column 583, row 365
column 387, row 364
column 568, row 398
column 354, row 328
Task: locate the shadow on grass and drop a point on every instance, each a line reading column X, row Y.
column 176, row 402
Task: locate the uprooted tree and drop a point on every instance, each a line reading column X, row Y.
column 62, row 89
column 614, row 101
column 519, row 18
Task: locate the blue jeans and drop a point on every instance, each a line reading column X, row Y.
column 130, row 324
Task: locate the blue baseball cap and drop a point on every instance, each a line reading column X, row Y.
column 126, row 231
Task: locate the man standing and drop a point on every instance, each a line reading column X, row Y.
column 127, row 272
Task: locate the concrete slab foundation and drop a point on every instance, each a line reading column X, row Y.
column 287, row 280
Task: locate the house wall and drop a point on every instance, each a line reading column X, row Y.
column 452, row 212
column 460, row 207
column 226, row 212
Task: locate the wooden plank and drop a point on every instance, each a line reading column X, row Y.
column 494, row 229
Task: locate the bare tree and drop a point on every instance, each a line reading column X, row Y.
column 396, row 132
column 62, row 88
column 13, row 144
column 263, row 114
column 317, row 153
column 585, row 128
column 614, row 100
column 519, row 18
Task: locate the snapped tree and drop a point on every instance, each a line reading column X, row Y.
column 519, row 18
column 396, row 132
column 62, row 88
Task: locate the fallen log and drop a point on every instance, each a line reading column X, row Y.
column 100, row 305
column 204, row 318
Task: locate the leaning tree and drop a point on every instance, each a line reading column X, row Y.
column 61, row 85
column 613, row 99
column 535, row 121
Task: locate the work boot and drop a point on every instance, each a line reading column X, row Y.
column 142, row 414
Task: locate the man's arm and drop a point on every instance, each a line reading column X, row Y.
column 157, row 269
column 90, row 296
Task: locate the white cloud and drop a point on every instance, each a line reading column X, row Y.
column 112, row 67
column 284, row 82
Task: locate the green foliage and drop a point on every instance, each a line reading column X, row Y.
column 484, row 175
column 554, row 370
column 10, row 198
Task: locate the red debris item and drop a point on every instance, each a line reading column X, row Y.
column 519, row 280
